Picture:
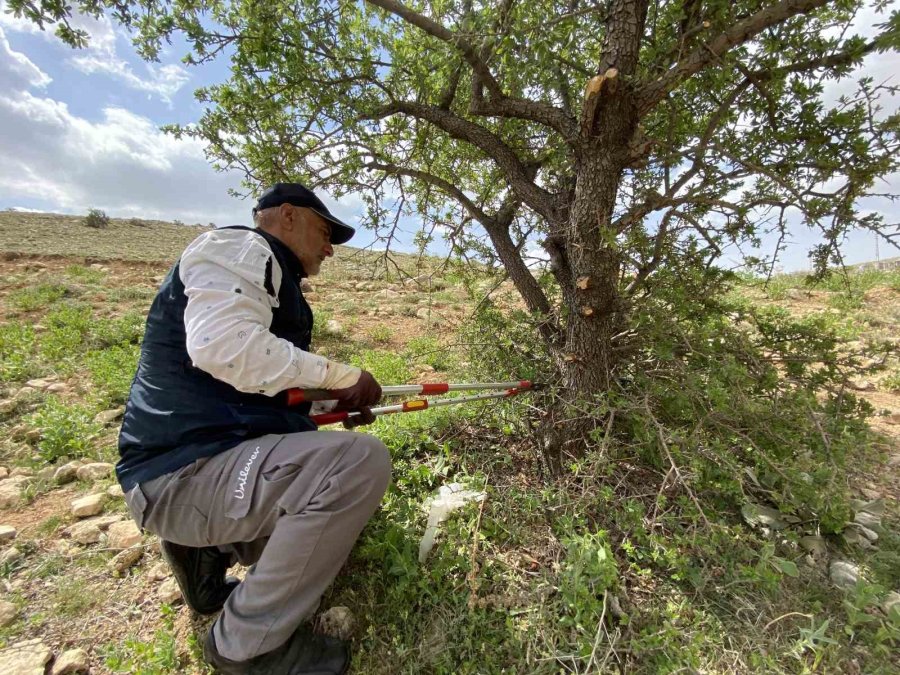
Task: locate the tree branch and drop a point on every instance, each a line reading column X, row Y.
column 498, row 104
column 518, row 174
column 704, row 55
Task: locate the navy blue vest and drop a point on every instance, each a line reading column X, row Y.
column 177, row 413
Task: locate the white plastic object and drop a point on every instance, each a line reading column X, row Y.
column 449, row 498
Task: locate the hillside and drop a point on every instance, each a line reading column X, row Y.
column 513, row 586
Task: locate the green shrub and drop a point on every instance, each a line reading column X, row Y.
column 17, row 357
column 112, row 371
column 66, row 430
column 381, row 334
column 427, row 349
column 67, row 329
column 36, row 297
column 386, row 367
column 589, row 570
column 96, row 219
column 127, row 329
column 85, row 274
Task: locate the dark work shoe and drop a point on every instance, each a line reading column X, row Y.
column 200, row 573
column 305, row 653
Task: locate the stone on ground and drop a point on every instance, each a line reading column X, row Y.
column 891, row 603
column 71, row 661
column 89, row 505
column 89, row 531
column 109, row 416
column 21, row 472
column 7, row 533
column 844, row 574
column 126, row 559
column 11, row 490
column 337, row 622
column 332, row 327
column 158, row 572
column 4, row 472
column 124, row 534
column 169, row 591
column 8, row 613
column 94, row 470
column 115, row 491
column 25, row 658
column 11, row 555
column 58, row 387
column 66, row 473
column 423, row 313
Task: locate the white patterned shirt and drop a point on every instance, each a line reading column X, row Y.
column 229, row 313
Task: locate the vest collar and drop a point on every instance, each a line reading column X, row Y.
column 294, row 266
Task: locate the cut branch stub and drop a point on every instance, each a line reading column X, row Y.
column 583, row 283
column 587, row 311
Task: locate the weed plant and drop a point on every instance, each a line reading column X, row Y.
column 66, row 429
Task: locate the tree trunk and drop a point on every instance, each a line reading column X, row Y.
column 588, row 269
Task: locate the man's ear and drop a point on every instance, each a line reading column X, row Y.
column 288, row 215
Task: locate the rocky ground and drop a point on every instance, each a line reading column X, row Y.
column 82, row 590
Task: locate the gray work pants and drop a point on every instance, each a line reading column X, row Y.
column 292, row 506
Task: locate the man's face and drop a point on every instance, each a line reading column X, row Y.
column 310, row 238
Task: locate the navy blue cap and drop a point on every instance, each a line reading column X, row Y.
column 300, row 195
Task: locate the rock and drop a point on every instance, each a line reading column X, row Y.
column 58, row 387
column 844, row 574
column 21, row 471
column 861, row 385
column 25, row 658
column 423, row 313
column 8, row 405
column 41, row 383
column 871, row 493
column 4, row 472
column 306, row 286
column 109, row 416
column 11, row 490
column 33, row 435
column 115, row 491
column 763, row 516
column 124, row 534
column 867, row 520
column 893, row 418
column 8, row 613
column 94, row 470
column 169, row 592
column 795, row 294
column 71, row 661
column 66, row 473
column 11, row 555
column 337, row 622
column 126, row 559
column 47, row 473
column 425, row 368
column 159, row 572
column 869, row 534
column 332, row 327
column 891, row 603
column 894, row 460
column 85, row 532
column 387, row 293
column 89, row 505
column 7, row 533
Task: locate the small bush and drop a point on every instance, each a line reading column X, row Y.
column 66, row 430
column 96, row 219
column 137, row 222
column 17, row 343
column 385, row 367
column 112, row 371
column 381, row 334
column 36, row 297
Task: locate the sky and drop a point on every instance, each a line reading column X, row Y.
column 80, row 129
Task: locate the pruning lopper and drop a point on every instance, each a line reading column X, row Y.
column 508, row 389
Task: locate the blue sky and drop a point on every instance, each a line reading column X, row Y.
column 79, row 129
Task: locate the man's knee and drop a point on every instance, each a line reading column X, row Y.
column 375, row 462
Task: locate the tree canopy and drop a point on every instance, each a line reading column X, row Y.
column 628, row 137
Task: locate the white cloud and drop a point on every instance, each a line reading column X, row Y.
column 102, row 57
column 18, row 71
column 122, row 163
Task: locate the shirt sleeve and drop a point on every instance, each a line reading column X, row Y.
column 229, row 314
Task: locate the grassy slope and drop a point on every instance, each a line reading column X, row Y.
column 509, row 587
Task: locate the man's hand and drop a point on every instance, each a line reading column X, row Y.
column 365, row 417
column 366, row 392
